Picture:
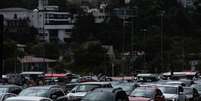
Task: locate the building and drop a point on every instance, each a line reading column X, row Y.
column 31, row 63
column 186, row 3
column 53, row 25
column 17, row 23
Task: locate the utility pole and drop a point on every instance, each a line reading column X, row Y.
column 162, row 38
column 1, row 46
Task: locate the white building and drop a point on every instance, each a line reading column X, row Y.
column 53, row 25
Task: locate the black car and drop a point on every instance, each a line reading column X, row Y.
column 14, row 89
column 106, row 94
column 51, row 91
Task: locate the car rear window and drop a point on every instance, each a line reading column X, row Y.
column 99, row 96
column 168, row 90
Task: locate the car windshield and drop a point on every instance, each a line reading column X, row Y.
column 143, row 92
column 124, row 87
column 3, row 90
column 168, row 90
column 188, row 91
column 198, row 87
column 34, row 92
column 99, row 96
column 85, row 87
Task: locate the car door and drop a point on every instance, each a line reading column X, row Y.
column 7, row 96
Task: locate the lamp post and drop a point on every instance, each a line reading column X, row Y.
column 162, row 37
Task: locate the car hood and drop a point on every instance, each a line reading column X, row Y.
column 80, row 94
column 168, row 96
column 139, row 99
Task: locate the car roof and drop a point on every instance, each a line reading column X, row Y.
column 101, row 83
column 147, row 75
column 8, row 86
column 174, row 82
column 46, row 87
column 169, row 85
column 27, row 98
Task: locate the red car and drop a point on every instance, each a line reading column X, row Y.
column 147, row 94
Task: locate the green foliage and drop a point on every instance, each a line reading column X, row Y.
column 89, row 57
column 48, row 50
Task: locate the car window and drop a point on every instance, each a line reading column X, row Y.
column 85, row 88
column 3, row 90
column 168, row 90
column 15, row 90
column 34, row 92
column 99, row 96
column 143, row 92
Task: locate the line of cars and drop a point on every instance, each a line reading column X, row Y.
column 146, row 88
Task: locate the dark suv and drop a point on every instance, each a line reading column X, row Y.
column 51, row 91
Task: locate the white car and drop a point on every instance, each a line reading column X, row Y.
column 23, row 98
column 82, row 89
column 173, row 92
column 4, row 96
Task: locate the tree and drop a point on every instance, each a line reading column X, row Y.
column 85, row 28
column 90, row 57
column 47, row 50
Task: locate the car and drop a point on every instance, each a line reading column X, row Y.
column 10, row 89
column 198, row 87
column 25, row 98
column 69, row 87
column 146, row 93
column 197, row 81
column 144, row 78
column 4, row 96
column 127, row 87
column 106, row 94
column 191, row 94
column 172, row 92
column 50, row 91
column 187, row 82
column 175, row 83
column 81, row 90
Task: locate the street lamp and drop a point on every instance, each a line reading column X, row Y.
column 162, row 36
